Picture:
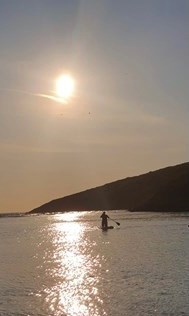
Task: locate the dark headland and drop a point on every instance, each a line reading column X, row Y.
column 165, row 189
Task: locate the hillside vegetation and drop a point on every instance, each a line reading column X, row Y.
column 165, row 189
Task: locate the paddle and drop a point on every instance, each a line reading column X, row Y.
column 115, row 221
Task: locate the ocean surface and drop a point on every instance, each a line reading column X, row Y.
column 64, row 264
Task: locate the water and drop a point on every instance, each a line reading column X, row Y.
column 63, row 264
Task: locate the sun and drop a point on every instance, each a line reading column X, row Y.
column 65, row 86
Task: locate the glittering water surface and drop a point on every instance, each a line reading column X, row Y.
column 63, row 264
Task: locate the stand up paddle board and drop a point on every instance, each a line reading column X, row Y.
column 106, row 228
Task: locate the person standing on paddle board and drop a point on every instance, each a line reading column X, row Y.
column 104, row 217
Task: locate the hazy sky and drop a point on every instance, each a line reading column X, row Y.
column 130, row 112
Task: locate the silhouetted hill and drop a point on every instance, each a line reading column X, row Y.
column 166, row 189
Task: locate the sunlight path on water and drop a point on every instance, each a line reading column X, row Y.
column 75, row 292
column 64, row 265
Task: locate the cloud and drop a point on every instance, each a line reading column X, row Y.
column 20, row 149
column 51, row 97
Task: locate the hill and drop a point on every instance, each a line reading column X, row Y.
column 165, row 189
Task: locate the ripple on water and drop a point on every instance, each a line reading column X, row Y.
column 64, row 265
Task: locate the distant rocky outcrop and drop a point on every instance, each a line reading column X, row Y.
column 165, row 189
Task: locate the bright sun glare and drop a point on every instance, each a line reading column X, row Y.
column 65, row 86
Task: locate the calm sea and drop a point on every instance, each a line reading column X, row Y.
column 63, row 264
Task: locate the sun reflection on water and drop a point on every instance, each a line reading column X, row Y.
column 75, row 292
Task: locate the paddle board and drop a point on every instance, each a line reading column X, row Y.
column 106, row 228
